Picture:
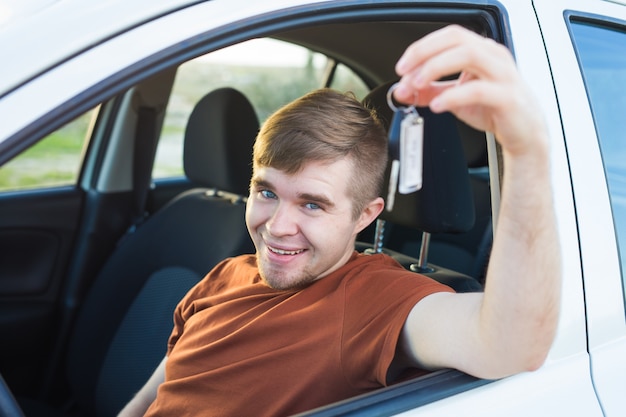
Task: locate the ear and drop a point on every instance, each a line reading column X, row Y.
column 369, row 213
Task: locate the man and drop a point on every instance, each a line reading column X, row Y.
column 307, row 321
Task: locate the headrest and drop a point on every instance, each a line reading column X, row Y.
column 474, row 145
column 219, row 137
column 445, row 202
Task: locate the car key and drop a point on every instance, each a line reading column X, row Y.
column 406, row 141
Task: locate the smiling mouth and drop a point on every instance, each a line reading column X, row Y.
column 285, row 252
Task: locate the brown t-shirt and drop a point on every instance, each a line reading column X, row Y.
column 240, row 348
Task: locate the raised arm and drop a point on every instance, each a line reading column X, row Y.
column 146, row 395
column 510, row 327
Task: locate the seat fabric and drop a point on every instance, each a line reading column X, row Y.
column 121, row 331
column 451, row 204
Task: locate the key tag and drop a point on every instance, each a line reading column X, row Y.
column 406, row 145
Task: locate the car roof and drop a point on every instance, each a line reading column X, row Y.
column 367, row 47
column 44, row 33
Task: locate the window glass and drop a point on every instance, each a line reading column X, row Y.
column 270, row 73
column 602, row 56
column 53, row 161
column 346, row 80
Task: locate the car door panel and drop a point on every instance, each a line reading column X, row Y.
column 37, row 230
column 604, row 293
column 47, row 225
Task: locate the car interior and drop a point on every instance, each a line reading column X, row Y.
column 142, row 243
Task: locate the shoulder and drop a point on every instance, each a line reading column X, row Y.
column 378, row 261
column 242, row 263
column 380, row 276
column 375, row 266
column 239, row 270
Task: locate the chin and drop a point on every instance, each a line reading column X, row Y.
column 280, row 281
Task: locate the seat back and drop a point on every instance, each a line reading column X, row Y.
column 121, row 332
column 444, row 205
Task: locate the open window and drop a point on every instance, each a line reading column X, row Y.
column 342, row 45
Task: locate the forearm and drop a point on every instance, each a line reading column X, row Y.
column 136, row 407
column 510, row 327
column 146, row 395
column 519, row 312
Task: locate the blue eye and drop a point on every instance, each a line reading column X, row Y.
column 267, row 194
column 312, row 206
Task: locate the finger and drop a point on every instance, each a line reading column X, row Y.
column 431, row 45
column 476, row 93
column 478, row 59
column 419, row 51
column 451, row 51
column 407, row 94
column 482, row 105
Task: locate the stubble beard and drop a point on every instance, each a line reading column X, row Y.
column 283, row 280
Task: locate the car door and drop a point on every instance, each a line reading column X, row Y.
column 58, row 224
column 38, row 224
column 54, row 238
column 62, row 208
column 563, row 385
column 592, row 104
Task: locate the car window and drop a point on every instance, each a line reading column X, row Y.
column 345, row 79
column 53, row 161
column 602, row 56
column 270, row 73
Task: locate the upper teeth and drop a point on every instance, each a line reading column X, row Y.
column 285, row 252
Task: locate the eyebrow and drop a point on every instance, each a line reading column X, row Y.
column 259, row 182
column 318, row 199
column 310, row 197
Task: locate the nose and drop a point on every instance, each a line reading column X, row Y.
column 282, row 222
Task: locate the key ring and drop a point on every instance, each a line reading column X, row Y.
column 393, row 107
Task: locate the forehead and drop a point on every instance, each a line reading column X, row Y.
column 329, row 178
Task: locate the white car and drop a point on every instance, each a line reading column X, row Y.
column 105, row 221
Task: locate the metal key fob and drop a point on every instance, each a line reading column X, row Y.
column 394, row 154
column 411, row 152
column 406, row 141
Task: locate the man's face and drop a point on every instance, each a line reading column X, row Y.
column 302, row 224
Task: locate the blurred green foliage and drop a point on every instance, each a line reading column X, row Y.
column 56, row 159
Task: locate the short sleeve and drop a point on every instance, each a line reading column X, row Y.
column 379, row 297
column 229, row 272
column 184, row 310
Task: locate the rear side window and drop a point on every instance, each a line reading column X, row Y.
column 268, row 72
column 53, row 161
column 601, row 53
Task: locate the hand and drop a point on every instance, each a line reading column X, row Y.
column 509, row 327
column 488, row 95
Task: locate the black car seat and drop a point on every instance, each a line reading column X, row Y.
column 121, row 331
column 466, row 252
column 445, row 205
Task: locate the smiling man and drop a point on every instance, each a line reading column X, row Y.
column 306, row 320
column 290, row 227
column 318, row 166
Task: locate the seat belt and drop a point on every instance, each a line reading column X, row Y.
column 143, row 161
